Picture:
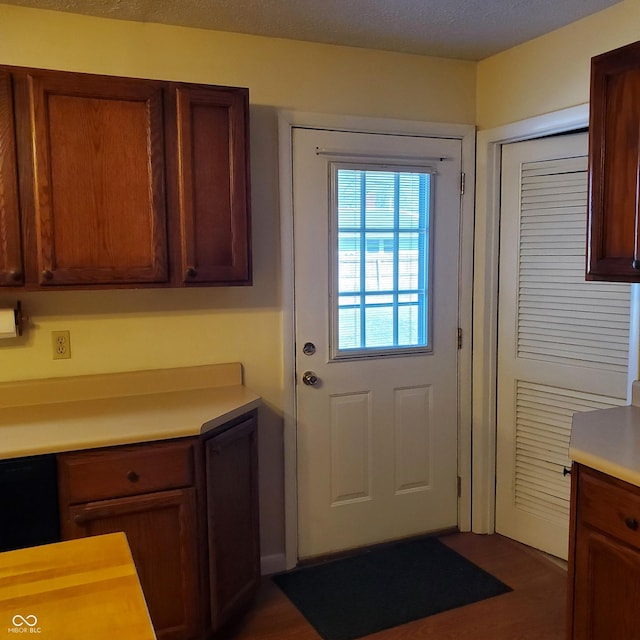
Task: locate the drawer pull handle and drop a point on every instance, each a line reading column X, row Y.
column 632, row 523
column 132, row 476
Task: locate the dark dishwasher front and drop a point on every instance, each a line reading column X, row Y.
column 28, row 502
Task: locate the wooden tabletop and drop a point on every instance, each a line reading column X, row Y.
column 79, row 589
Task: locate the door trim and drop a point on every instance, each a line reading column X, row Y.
column 485, row 296
column 287, row 121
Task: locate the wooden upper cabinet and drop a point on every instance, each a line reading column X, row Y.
column 613, row 251
column 11, row 271
column 98, row 173
column 211, row 152
column 109, row 182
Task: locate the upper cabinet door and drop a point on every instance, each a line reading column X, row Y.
column 11, row 271
column 99, row 212
column 613, row 251
column 211, row 138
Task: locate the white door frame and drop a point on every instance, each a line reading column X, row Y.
column 485, row 295
column 287, row 120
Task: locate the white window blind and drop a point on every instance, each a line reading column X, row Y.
column 381, row 250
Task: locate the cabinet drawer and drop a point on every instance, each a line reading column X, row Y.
column 609, row 505
column 125, row 471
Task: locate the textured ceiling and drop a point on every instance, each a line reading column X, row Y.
column 465, row 29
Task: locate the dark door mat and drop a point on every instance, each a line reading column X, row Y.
column 383, row 588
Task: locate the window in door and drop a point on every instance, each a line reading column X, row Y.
column 381, row 247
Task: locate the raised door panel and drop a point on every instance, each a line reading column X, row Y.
column 606, row 587
column 614, row 162
column 160, row 529
column 213, row 185
column 232, row 505
column 11, row 271
column 98, row 170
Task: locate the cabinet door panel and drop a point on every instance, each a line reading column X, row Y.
column 213, row 185
column 160, row 531
column 232, row 505
column 11, row 271
column 98, row 163
column 606, row 588
column 614, row 161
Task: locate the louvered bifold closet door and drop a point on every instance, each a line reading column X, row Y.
column 563, row 342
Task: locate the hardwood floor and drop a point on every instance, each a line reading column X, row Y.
column 534, row 610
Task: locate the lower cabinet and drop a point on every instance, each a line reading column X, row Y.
column 232, row 515
column 604, row 560
column 189, row 510
column 160, row 531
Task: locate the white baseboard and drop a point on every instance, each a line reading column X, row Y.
column 272, row 564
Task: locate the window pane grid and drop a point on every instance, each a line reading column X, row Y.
column 383, row 239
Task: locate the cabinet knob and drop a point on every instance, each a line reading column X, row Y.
column 636, row 264
column 632, row 523
column 47, row 274
column 192, row 272
column 132, row 476
column 15, row 275
column 79, row 519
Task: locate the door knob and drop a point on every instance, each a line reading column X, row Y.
column 309, row 378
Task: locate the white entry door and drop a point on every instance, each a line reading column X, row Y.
column 563, row 343
column 376, row 228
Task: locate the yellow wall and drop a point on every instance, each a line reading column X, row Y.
column 551, row 72
column 129, row 330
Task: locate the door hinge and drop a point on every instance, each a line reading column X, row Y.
column 459, row 487
column 463, row 177
column 459, row 338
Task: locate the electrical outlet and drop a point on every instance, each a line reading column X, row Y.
column 61, row 341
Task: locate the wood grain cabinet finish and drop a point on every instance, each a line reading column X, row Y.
column 11, row 269
column 613, row 247
column 232, row 514
column 604, row 558
column 159, row 520
column 189, row 508
column 211, row 150
column 98, row 169
column 122, row 182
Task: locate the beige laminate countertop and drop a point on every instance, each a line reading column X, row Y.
column 156, row 412
column 608, row 440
